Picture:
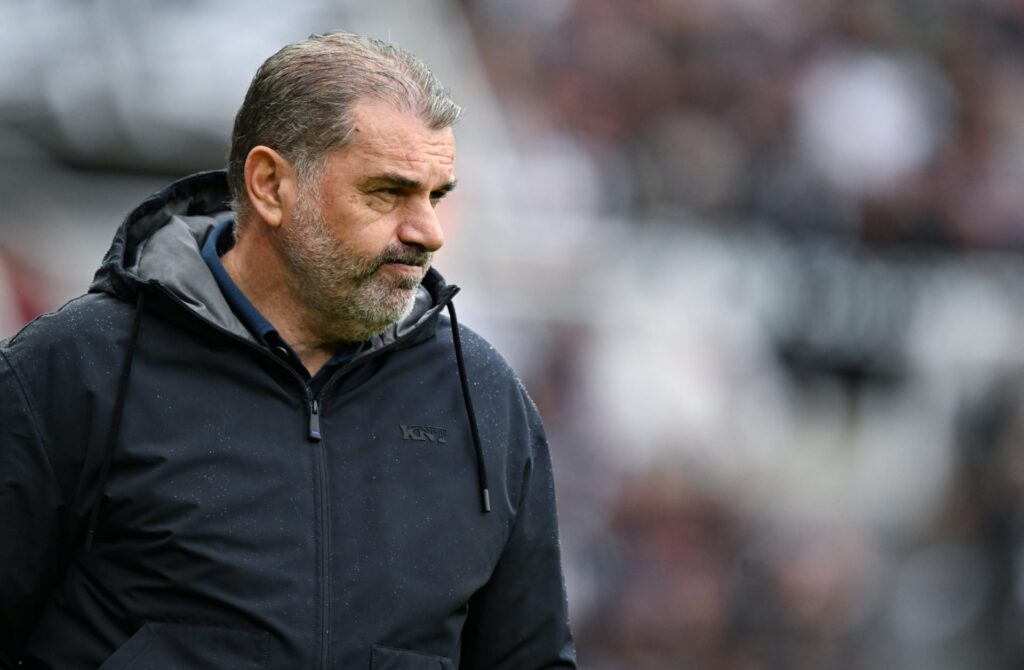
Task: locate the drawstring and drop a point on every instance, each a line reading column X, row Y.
column 481, row 466
column 122, row 393
column 115, row 423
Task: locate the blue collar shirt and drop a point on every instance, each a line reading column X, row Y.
column 218, row 242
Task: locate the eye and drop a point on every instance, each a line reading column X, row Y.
column 392, row 191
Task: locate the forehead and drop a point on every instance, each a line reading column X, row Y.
column 387, row 139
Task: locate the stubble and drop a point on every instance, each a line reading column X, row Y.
column 345, row 295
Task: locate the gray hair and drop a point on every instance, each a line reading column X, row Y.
column 300, row 102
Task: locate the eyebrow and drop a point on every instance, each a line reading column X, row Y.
column 400, row 181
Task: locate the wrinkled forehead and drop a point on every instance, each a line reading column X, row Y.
column 389, row 138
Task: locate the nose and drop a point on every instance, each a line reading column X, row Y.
column 420, row 225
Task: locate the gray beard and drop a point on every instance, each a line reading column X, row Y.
column 344, row 295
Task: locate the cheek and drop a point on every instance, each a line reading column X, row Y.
column 364, row 225
column 369, row 240
column 351, row 217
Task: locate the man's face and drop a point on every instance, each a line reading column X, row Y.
column 359, row 241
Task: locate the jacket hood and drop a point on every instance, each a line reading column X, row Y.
column 159, row 247
column 159, row 244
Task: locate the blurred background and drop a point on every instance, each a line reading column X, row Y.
column 758, row 261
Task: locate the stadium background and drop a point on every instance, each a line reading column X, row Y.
column 758, row 261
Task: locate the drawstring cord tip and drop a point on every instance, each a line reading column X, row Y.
column 481, row 464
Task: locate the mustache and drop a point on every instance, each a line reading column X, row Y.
column 404, row 255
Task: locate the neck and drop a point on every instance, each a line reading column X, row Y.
column 258, row 272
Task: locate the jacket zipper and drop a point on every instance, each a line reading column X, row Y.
column 314, row 420
column 320, row 465
column 324, row 523
column 315, row 435
column 323, row 528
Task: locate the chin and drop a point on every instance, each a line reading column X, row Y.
column 382, row 313
column 403, row 305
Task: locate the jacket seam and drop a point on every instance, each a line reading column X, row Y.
column 32, row 419
column 512, row 521
column 537, row 440
column 408, row 652
column 14, row 338
column 528, row 475
column 150, row 639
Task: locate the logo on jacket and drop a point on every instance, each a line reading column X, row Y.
column 424, row 434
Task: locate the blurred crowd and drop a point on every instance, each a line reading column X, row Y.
column 854, row 131
column 888, row 121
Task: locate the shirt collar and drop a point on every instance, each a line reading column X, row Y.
column 217, row 243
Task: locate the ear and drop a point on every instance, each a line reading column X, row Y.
column 270, row 181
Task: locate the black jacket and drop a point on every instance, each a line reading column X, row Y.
column 172, row 496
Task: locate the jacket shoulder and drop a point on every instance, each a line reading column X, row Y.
column 485, row 364
column 64, row 354
column 65, row 363
column 510, row 424
column 79, row 323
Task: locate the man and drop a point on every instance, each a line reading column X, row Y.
column 258, row 442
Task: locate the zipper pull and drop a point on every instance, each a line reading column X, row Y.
column 314, row 421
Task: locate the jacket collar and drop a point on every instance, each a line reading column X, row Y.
column 158, row 245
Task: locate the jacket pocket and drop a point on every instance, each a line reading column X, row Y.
column 385, row 658
column 167, row 646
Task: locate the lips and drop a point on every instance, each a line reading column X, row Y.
column 409, row 263
column 405, row 269
column 418, row 261
column 404, row 264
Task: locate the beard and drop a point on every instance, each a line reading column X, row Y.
column 345, row 295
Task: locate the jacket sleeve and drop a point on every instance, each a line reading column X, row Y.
column 29, row 503
column 519, row 619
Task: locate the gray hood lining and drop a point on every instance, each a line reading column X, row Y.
column 171, row 257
